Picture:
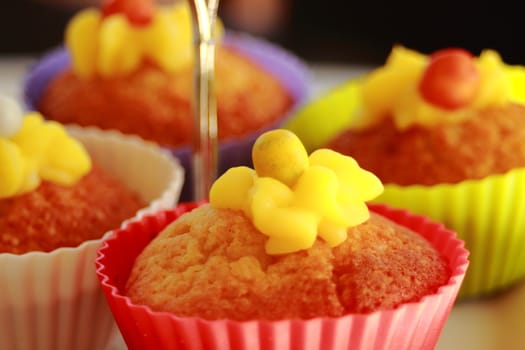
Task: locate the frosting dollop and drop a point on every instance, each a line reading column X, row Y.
column 38, row 150
column 393, row 90
column 292, row 197
column 112, row 45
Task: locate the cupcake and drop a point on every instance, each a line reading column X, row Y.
column 60, row 192
column 284, row 256
column 136, row 75
column 446, row 135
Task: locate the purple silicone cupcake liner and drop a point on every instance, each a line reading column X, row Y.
column 289, row 69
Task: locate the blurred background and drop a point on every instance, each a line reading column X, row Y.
column 334, row 31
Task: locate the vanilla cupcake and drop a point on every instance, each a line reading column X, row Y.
column 136, row 76
column 60, row 192
column 445, row 133
column 284, row 256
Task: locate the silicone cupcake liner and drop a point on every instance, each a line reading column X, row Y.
column 487, row 213
column 287, row 68
column 53, row 301
column 415, row 325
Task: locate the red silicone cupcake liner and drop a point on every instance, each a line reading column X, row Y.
column 415, row 325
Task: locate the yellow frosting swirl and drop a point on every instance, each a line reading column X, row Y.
column 38, row 151
column 293, row 201
column 112, row 46
column 392, row 90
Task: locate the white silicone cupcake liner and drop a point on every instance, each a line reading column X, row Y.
column 53, row 301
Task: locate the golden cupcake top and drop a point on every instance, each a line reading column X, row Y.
column 293, row 197
column 118, row 37
column 447, row 86
column 32, row 150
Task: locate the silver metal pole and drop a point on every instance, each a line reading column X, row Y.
column 205, row 143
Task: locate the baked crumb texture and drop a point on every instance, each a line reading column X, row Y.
column 157, row 106
column 54, row 216
column 492, row 142
column 211, row 263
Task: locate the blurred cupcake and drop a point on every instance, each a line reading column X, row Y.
column 446, row 134
column 130, row 69
column 60, row 192
column 285, row 256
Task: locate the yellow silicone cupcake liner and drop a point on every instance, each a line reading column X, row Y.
column 486, row 213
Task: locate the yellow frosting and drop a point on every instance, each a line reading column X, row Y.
column 325, row 196
column 112, row 46
column 39, row 150
column 392, row 90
